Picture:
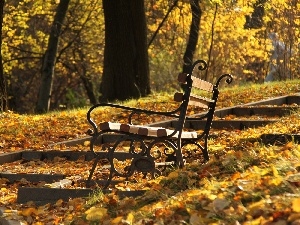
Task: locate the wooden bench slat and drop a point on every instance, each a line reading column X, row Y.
column 194, row 100
column 145, row 130
column 109, row 126
column 197, row 82
column 198, row 104
column 202, row 84
column 200, row 99
column 152, row 131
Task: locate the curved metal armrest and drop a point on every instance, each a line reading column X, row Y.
column 134, row 111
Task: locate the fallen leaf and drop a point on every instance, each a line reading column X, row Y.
column 220, row 204
column 29, row 211
column 296, row 205
column 195, row 219
column 129, row 219
column 117, row 220
column 95, row 213
column 173, row 175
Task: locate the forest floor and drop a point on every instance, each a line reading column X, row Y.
column 245, row 181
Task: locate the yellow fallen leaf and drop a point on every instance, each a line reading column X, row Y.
column 95, row 213
column 59, row 202
column 255, row 208
column 129, row 219
column 296, row 205
column 275, row 171
column 44, row 208
column 116, row 220
column 193, row 192
column 236, row 176
column 287, row 146
column 276, row 181
column 86, row 143
column 29, row 211
column 173, row 175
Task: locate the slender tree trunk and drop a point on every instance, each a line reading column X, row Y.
column 3, row 92
column 126, row 66
column 211, row 41
column 193, row 36
column 49, row 61
column 87, row 83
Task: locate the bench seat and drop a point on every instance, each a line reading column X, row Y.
column 151, row 149
column 146, row 130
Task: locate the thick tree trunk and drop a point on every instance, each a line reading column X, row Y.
column 126, row 66
column 49, row 61
column 3, row 93
column 193, row 36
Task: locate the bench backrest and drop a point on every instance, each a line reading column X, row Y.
column 191, row 82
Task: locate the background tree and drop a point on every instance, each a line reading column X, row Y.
column 3, row 93
column 27, row 25
column 80, row 55
column 255, row 20
column 282, row 19
column 49, row 59
column 193, row 35
column 126, row 67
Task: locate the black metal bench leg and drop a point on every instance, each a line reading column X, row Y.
column 111, row 175
column 205, row 152
column 179, row 158
column 88, row 183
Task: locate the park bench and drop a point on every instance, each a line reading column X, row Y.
column 150, row 148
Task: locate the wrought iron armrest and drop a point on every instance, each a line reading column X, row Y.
column 133, row 110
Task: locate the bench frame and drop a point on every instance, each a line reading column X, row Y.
column 146, row 137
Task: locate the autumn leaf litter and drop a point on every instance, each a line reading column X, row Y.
column 245, row 182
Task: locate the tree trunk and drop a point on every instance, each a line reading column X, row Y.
column 126, row 66
column 3, row 93
column 49, row 61
column 193, row 36
column 255, row 21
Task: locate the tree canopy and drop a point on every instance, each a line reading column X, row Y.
column 223, row 40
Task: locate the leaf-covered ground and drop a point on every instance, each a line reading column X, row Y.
column 245, row 182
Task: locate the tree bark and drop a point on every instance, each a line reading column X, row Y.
column 44, row 98
column 126, row 66
column 255, row 21
column 193, row 36
column 3, row 92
